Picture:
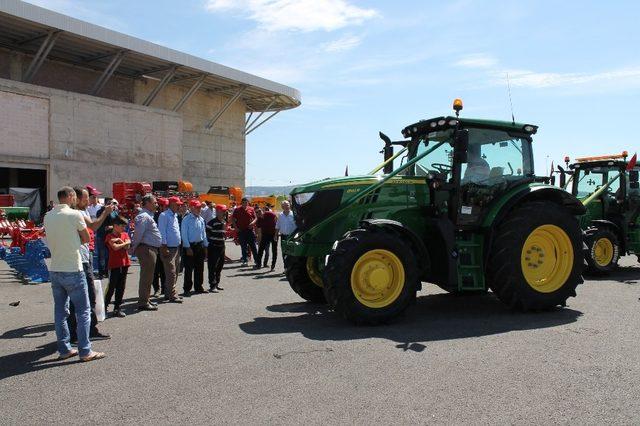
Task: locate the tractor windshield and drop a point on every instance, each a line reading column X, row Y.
column 493, row 156
column 590, row 180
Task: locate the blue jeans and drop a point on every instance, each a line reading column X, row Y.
column 248, row 244
column 65, row 286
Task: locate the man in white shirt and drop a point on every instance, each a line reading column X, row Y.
column 66, row 231
column 286, row 224
column 94, row 205
column 208, row 212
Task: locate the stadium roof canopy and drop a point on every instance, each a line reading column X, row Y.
column 45, row 34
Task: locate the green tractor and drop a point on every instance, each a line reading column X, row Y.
column 464, row 211
column 608, row 187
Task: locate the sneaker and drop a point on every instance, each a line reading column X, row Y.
column 219, row 288
column 118, row 313
column 147, row 307
column 243, row 264
column 213, row 290
column 99, row 335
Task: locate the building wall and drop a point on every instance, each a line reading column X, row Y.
column 100, row 141
column 209, row 157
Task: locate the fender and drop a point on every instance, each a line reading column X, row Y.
column 532, row 192
column 424, row 261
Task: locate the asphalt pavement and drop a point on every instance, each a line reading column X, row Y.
column 257, row 354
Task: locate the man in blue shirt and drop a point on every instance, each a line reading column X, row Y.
column 145, row 243
column 170, row 247
column 194, row 243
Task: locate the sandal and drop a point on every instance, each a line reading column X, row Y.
column 68, row 355
column 93, row 356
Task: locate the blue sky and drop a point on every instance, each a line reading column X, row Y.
column 365, row 66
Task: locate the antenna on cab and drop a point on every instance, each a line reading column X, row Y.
column 513, row 119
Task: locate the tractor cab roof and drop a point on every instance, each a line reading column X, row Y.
column 607, row 161
column 444, row 123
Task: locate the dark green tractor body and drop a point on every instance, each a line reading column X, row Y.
column 609, row 190
column 464, row 211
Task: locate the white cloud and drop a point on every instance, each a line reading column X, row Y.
column 540, row 80
column 297, row 15
column 343, row 44
column 477, row 61
column 497, row 75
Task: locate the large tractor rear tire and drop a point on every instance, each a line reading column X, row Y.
column 603, row 249
column 371, row 276
column 304, row 278
column 536, row 257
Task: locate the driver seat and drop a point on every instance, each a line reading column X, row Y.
column 496, row 172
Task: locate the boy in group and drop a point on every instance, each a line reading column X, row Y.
column 118, row 243
column 216, row 229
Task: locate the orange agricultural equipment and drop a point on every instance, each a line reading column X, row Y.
column 225, row 195
column 262, row 201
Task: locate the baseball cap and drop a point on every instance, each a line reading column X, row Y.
column 163, row 201
column 176, row 200
column 92, row 190
column 221, row 207
column 195, row 203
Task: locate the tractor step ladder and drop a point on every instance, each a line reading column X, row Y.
column 470, row 274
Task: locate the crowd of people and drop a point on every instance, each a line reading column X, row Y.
column 169, row 237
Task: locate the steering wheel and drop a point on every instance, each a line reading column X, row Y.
column 442, row 168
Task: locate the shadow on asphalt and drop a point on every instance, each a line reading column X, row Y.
column 433, row 318
column 624, row 274
column 29, row 361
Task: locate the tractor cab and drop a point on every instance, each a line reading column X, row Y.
column 608, row 187
column 470, row 163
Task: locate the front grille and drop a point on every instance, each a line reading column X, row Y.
column 318, row 208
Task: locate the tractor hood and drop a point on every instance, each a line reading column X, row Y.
column 350, row 181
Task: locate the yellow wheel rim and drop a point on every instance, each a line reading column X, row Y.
column 312, row 270
column 603, row 251
column 377, row 278
column 547, row 258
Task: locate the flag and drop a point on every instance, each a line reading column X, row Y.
column 632, row 163
column 346, row 170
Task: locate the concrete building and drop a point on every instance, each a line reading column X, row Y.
column 81, row 104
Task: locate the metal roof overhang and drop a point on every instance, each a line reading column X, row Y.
column 24, row 27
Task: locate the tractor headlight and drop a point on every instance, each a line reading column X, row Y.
column 304, row 197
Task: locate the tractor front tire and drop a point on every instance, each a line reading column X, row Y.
column 301, row 280
column 536, row 257
column 603, row 250
column 371, row 276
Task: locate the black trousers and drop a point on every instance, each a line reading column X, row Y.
column 158, row 276
column 263, row 249
column 248, row 244
column 71, row 320
column 283, row 237
column 215, row 262
column 194, row 268
column 117, row 284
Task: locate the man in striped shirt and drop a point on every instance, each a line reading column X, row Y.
column 216, row 229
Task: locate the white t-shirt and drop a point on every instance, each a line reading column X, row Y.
column 93, row 210
column 62, row 225
column 286, row 224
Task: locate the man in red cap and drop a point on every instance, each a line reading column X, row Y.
column 158, row 275
column 216, row 228
column 94, row 205
column 170, row 247
column 194, row 244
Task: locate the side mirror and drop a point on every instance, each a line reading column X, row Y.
column 461, row 146
column 563, row 177
column 633, row 176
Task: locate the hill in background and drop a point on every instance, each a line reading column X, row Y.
column 262, row 191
